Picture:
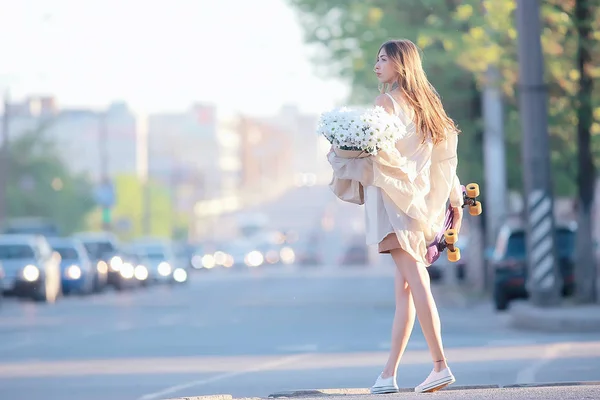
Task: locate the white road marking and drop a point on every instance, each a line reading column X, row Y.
column 261, row 367
column 510, row 342
column 299, row 348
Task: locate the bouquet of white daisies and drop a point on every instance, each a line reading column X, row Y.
column 360, row 132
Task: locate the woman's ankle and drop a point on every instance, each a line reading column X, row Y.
column 386, row 374
column 440, row 365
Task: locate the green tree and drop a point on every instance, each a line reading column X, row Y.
column 40, row 184
column 130, row 205
column 348, row 34
column 129, row 210
column 460, row 40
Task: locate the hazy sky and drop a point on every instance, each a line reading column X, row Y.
column 160, row 55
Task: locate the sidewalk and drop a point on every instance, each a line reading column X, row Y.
column 524, row 315
column 564, row 318
column 561, row 390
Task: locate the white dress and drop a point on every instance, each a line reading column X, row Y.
column 405, row 191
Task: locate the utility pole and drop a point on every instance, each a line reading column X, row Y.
column 106, row 189
column 544, row 281
column 494, row 160
column 4, row 160
column 143, row 164
column 494, row 155
column 585, row 265
column 147, row 207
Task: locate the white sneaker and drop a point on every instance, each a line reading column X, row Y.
column 436, row 381
column 384, row 385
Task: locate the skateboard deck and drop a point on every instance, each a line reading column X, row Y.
column 447, row 237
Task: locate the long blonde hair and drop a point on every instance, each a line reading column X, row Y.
column 430, row 116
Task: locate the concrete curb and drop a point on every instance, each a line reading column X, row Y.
column 553, row 384
column 567, row 318
column 359, row 391
column 365, row 391
column 319, row 392
column 209, row 397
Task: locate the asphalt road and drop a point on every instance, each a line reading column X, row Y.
column 256, row 332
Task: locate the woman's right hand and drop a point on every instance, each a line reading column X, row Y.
column 457, row 218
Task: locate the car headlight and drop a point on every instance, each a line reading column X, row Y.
column 208, row 261
column 254, row 259
column 141, row 273
column 73, row 272
column 116, row 263
column 164, row 268
column 220, row 258
column 180, row 275
column 197, row 261
column 126, row 270
column 287, row 255
column 102, row 267
column 31, row 273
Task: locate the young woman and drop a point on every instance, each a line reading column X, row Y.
column 405, row 193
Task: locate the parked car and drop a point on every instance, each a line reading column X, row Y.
column 77, row 273
column 509, row 262
column 31, row 267
column 1, row 284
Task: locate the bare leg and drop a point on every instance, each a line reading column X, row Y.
column 404, row 320
column 418, row 281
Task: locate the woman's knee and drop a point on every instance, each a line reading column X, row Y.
column 401, row 283
column 414, row 273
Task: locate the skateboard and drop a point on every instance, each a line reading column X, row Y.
column 447, row 237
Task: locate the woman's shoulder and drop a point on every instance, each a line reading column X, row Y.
column 384, row 100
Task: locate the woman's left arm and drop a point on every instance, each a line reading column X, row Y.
column 445, row 178
column 456, row 201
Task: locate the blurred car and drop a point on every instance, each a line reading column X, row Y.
column 31, row 267
column 276, row 253
column 162, row 262
column 1, row 284
column 102, row 249
column 135, row 269
column 185, row 252
column 31, row 226
column 77, row 273
column 309, row 250
column 509, row 262
column 308, row 257
column 243, row 253
column 355, row 254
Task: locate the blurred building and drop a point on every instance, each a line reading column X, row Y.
column 30, row 115
column 196, row 153
column 267, row 156
column 191, row 150
column 78, row 134
column 261, row 154
column 310, row 150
